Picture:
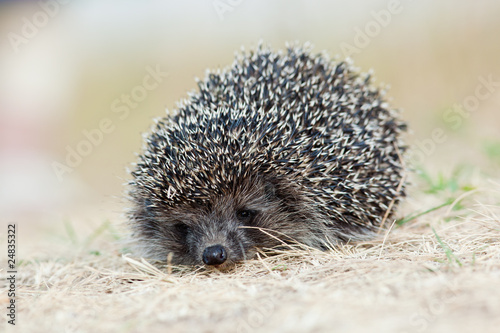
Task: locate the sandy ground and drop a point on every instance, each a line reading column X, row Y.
column 439, row 272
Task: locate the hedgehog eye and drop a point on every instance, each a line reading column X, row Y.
column 182, row 229
column 245, row 215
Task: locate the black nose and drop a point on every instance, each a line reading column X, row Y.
column 214, row 255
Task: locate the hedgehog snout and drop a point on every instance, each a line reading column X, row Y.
column 214, row 255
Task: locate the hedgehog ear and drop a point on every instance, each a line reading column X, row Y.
column 270, row 189
column 149, row 208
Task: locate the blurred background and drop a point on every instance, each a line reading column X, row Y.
column 80, row 82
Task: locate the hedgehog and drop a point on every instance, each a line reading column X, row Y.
column 282, row 147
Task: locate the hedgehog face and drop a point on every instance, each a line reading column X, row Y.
column 222, row 230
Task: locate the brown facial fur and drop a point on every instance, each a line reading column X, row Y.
column 278, row 213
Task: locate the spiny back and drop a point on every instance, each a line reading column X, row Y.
column 292, row 116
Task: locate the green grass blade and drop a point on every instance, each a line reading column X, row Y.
column 402, row 221
column 449, row 253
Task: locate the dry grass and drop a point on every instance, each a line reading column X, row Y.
column 425, row 276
